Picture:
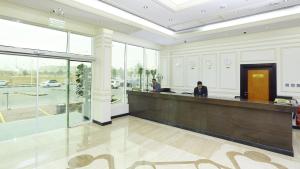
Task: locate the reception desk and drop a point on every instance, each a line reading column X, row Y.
column 260, row 124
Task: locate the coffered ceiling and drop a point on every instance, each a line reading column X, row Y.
column 179, row 15
column 168, row 22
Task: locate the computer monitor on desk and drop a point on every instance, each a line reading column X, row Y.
column 168, row 90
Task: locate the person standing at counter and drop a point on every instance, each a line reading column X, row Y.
column 200, row 90
column 156, row 86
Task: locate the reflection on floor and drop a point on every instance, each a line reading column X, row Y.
column 21, row 128
column 132, row 143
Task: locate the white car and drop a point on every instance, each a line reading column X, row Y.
column 51, row 83
column 115, row 84
column 3, row 83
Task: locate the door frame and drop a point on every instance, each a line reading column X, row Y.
column 272, row 78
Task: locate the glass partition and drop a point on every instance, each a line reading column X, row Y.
column 135, row 67
column 28, row 36
column 80, row 92
column 130, row 64
column 117, row 72
column 35, row 91
column 151, row 67
column 80, row 44
column 52, row 93
column 18, row 93
column 34, row 94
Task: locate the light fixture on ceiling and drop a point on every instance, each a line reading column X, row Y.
column 253, row 18
column 108, row 9
column 58, row 12
column 57, row 23
column 178, row 5
column 124, row 15
column 223, row 6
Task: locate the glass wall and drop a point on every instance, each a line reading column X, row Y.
column 151, row 67
column 18, row 93
column 80, row 92
column 80, row 44
column 130, row 64
column 39, row 94
column 33, row 37
column 118, row 72
column 135, row 67
column 22, row 35
column 35, row 92
column 52, row 93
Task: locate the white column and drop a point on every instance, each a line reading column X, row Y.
column 101, row 83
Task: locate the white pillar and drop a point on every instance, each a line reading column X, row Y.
column 101, row 83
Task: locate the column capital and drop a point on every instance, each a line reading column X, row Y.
column 103, row 31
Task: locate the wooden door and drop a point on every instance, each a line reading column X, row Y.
column 259, row 85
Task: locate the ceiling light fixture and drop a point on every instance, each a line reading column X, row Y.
column 178, row 5
column 124, row 15
column 253, row 18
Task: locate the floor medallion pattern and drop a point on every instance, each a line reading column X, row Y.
column 86, row 160
column 132, row 143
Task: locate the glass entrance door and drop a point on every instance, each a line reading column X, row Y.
column 80, row 80
column 52, row 97
column 41, row 94
column 18, row 110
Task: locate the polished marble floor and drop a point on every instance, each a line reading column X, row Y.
column 132, row 143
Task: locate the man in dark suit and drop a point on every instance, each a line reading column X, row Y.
column 156, row 86
column 200, row 90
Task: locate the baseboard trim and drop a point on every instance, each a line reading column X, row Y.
column 102, row 124
column 121, row 115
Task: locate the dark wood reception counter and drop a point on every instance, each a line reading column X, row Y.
column 260, row 124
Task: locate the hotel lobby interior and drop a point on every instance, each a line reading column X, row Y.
column 149, row 84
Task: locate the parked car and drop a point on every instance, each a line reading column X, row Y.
column 115, row 84
column 51, row 83
column 3, row 83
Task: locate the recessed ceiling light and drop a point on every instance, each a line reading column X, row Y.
column 274, row 3
column 56, row 23
column 223, row 6
column 116, row 12
column 254, row 18
column 58, row 11
column 178, row 5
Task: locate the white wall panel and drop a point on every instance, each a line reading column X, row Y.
column 290, row 70
column 265, row 55
column 223, row 80
column 209, row 70
column 191, row 69
column 164, row 70
column 228, row 71
column 177, row 71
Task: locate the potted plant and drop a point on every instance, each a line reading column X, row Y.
column 83, row 87
column 153, row 73
column 147, row 75
column 140, row 73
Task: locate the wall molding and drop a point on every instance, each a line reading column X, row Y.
column 262, row 50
